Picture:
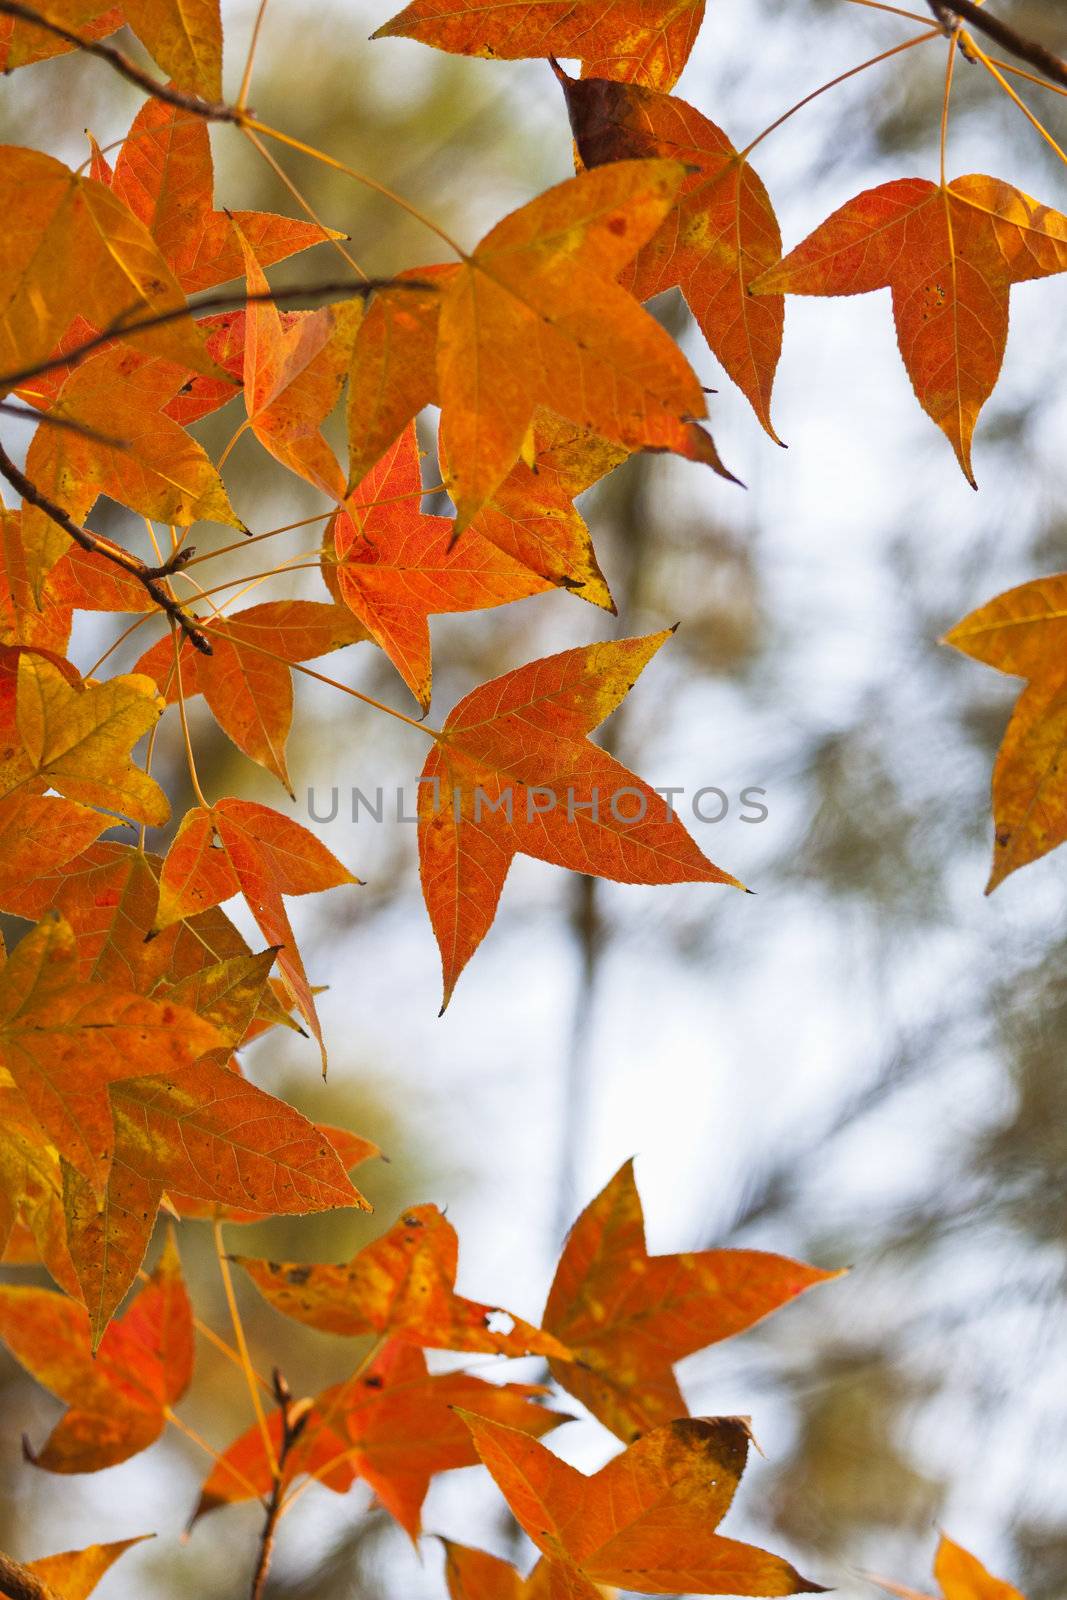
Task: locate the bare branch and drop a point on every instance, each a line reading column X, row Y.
column 209, row 110
column 1038, row 55
column 294, row 1420
column 233, row 300
column 153, row 578
column 19, row 1583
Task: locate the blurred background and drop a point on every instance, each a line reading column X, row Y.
column 862, row 1064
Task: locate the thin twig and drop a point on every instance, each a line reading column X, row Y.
column 209, row 110
column 1032, row 50
column 153, row 579
column 19, row 1583
column 294, row 1420
column 231, row 300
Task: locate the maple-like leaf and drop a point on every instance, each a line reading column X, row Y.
column 165, row 175
column 514, row 771
column 247, row 681
column 393, row 1425
column 32, row 1222
column 720, row 234
column 397, row 567
column 117, row 1398
column 293, row 371
column 1024, row 632
column 534, row 317
column 77, row 738
column 39, row 832
column 63, row 1042
column 26, row 615
column 950, row 256
column 185, row 38
column 627, row 1316
column 154, row 466
column 70, row 247
column 74, row 1574
column 351, row 1150
column 644, row 1521
column 960, row 1575
column 402, row 1284
column 642, row 41
column 476, row 1575
column 241, row 847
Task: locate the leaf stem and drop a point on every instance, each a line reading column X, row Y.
column 999, row 77
column 360, row 177
column 946, row 98
column 1027, row 49
column 305, row 205
column 842, row 77
column 189, row 757
column 246, row 76
column 202, row 1444
column 242, row 1344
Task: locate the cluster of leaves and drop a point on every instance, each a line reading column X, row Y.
column 123, row 1010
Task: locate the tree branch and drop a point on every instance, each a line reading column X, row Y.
column 153, row 578
column 1038, row 55
column 233, row 300
column 19, row 1583
column 209, row 110
column 294, row 1420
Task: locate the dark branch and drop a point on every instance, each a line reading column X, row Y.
column 233, row 300
column 19, row 1583
column 1053, row 67
column 294, row 1420
column 152, row 578
column 209, row 110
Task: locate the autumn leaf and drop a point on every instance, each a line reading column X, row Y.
column 476, row 1575
column 960, row 1575
column 350, row 1148
column 164, row 174
column 513, row 772
column 71, row 248
column 533, row 317
column 22, row 43
column 27, row 616
column 646, row 42
column 246, row 680
column 392, row 1425
column 77, row 739
column 185, row 38
column 31, row 1195
column 40, row 832
column 644, row 1521
column 396, row 567
column 628, row 1316
column 154, row 466
column 718, row 237
column 62, row 1042
column 403, row 1285
column 1023, row 632
column 293, row 372
column 262, row 855
column 117, row 1399
column 75, row 1574
column 950, row 256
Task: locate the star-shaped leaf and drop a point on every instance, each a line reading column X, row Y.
column 950, row 256
column 960, row 1575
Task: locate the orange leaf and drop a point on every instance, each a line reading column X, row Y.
column 533, row 317
column 351, row 1149
column 263, row 855
column 642, row 41
column 402, row 1284
column 950, row 256
column 22, row 44
column 70, row 247
column 293, row 372
column 1024, row 632
column 393, row 1425
column 184, row 37
column 718, row 237
column 476, row 1575
column 117, row 1398
column 644, row 1521
column 246, row 680
column 165, row 175
column 513, row 771
column 628, row 1316
column 154, row 467
column 960, row 1575
column 27, row 616
column 63, row 1042
column 39, row 832
column 32, row 1224
column 75, row 1574
column 396, row 567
